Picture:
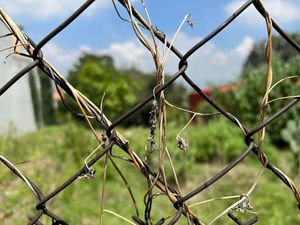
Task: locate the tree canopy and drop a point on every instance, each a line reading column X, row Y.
column 96, row 75
column 281, row 48
column 245, row 100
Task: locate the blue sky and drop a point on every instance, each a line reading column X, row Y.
column 99, row 30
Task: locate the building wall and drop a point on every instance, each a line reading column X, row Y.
column 16, row 108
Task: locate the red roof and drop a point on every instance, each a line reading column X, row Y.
column 195, row 99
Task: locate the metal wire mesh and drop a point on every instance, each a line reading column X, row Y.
column 90, row 110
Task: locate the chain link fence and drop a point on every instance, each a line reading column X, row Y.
column 154, row 177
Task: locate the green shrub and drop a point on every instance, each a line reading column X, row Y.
column 291, row 134
column 220, row 140
column 246, row 99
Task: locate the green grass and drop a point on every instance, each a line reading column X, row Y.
column 53, row 154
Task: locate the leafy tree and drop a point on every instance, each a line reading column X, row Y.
column 95, row 75
column 281, row 48
column 245, row 100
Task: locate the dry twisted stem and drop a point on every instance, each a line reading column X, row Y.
column 162, row 115
column 265, row 99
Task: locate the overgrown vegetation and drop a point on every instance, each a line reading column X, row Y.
column 291, row 134
column 245, row 100
column 62, row 150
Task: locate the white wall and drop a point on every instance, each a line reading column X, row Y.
column 16, row 103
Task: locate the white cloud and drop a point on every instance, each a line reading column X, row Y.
column 212, row 64
column 244, row 48
column 209, row 64
column 130, row 54
column 184, row 42
column 63, row 59
column 283, row 11
column 49, row 8
column 126, row 55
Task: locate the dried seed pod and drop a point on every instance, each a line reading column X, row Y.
column 90, row 173
column 182, row 143
column 243, row 206
column 104, row 140
column 153, row 124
